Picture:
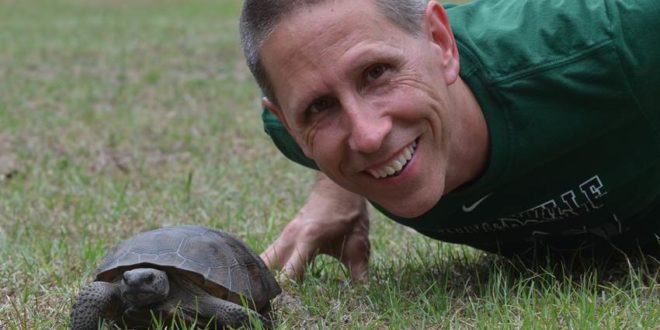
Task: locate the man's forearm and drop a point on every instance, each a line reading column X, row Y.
column 337, row 199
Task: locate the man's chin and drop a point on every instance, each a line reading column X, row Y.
column 408, row 209
column 410, row 214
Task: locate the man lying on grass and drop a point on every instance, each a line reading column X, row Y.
column 514, row 126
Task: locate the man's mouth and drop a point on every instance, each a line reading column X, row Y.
column 395, row 166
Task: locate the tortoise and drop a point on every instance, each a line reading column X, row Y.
column 194, row 274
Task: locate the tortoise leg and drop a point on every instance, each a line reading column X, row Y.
column 95, row 301
column 229, row 314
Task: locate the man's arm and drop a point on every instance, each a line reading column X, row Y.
column 333, row 221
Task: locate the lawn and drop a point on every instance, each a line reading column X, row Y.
column 120, row 116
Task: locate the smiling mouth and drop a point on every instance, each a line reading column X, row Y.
column 395, row 166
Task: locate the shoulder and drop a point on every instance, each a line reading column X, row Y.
column 510, row 36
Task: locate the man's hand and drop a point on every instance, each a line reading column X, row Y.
column 333, row 221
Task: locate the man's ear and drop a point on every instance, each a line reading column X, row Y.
column 438, row 30
column 275, row 111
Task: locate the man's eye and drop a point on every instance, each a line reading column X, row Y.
column 376, row 71
column 322, row 104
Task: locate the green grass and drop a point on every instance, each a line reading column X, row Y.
column 121, row 116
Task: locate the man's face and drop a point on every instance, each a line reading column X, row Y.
column 368, row 102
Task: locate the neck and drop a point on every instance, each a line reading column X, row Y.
column 470, row 140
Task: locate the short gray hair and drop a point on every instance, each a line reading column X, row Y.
column 260, row 17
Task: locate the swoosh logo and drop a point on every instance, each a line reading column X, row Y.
column 471, row 208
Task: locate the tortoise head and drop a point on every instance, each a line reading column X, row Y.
column 144, row 286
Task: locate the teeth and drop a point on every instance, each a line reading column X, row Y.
column 396, row 165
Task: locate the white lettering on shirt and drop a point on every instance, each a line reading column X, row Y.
column 585, row 198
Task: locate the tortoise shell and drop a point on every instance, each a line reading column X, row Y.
column 212, row 259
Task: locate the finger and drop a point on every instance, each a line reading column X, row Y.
column 357, row 263
column 359, row 271
column 355, row 257
column 273, row 257
column 295, row 270
column 297, row 262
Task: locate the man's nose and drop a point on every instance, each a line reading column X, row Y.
column 368, row 127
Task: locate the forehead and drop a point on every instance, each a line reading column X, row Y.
column 322, row 25
column 323, row 39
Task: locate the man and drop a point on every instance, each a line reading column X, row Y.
column 522, row 126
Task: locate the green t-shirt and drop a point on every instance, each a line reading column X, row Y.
column 571, row 94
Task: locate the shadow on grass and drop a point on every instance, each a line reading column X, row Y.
column 464, row 269
column 473, row 288
column 440, row 285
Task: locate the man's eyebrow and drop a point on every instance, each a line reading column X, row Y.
column 362, row 59
column 366, row 53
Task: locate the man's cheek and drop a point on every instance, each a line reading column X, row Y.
column 307, row 148
column 309, row 143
